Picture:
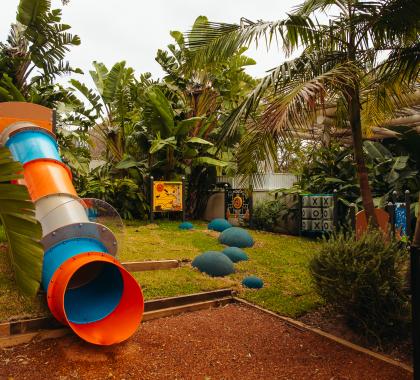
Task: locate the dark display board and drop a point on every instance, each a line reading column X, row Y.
column 238, row 206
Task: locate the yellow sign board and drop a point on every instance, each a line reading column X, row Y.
column 167, row 196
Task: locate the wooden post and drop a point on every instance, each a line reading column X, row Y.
column 225, row 200
column 353, row 217
column 335, row 210
column 251, row 208
column 408, row 212
column 415, row 306
column 183, row 199
column 394, row 196
column 151, row 199
column 390, row 209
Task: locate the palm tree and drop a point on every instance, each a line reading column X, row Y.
column 22, row 230
column 340, row 64
column 33, row 55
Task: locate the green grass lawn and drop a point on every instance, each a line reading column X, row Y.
column 280, row 260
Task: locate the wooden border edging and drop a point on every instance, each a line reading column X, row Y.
column 343, row 342
column 140, row 266
column 152, row 309
column 175, row 310
column 164, row 303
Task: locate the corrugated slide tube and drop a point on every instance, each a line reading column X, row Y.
column 87, row 288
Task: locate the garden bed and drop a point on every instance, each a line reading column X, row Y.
column 230, row 343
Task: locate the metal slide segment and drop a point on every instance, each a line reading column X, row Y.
column 87, row 288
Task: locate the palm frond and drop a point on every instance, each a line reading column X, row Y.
column 310, row 66
column 309, row 7
column 293, row 107
column 211, row 41
column 402, row 65
column 22, row 230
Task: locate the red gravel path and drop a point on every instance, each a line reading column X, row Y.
column 233, row 342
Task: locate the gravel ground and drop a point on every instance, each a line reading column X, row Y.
column 233, row 342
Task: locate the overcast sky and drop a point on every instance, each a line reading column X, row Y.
column 133, row 30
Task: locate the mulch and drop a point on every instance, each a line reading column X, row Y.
column 327, row 319
column 233, row 342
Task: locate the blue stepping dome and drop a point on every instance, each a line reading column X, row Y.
column 253, row 282
column 214, row 263
column 186, row 226
column 235, row 254
column 236, row 237
column 219, row 225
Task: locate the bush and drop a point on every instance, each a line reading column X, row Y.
column 365, row 281
column 276, row 216
column 122, row 193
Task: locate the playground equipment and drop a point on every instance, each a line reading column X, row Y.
column 235, row 254
column 238, row 206
column 253, row 282
column 317, row 213
column 236, row 237
column 395, row 218
column 219, row 225
column 214, row 263
column 87, row 288
column 167, row 196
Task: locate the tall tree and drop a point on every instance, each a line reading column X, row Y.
column 340, row 64
column 34, row 54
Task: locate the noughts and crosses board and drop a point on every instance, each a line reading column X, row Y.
column 317, row 212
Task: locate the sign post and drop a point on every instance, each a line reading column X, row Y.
column 167, row 196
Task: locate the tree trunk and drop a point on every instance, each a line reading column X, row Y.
column 353, row 101
column 362, row 173
column 416, row 238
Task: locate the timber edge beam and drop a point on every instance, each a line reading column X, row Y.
column 157, row 308
column 141, row 266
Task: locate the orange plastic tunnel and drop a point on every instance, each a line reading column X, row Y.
column 87, row 288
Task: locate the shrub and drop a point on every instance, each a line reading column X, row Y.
column 278, row 215
column 122, row 193
column 365, row 281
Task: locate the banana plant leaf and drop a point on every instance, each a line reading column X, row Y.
column 163, row 109
column 210, row 161
column 30, row 10
column 198, row 140
column 159, row 143
column 184, row 126
column 23, row 231
column 376, row 150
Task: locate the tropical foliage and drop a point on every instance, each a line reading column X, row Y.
column 167, row 129
column 28, row 63
column 22, row 231
column 339, row 65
